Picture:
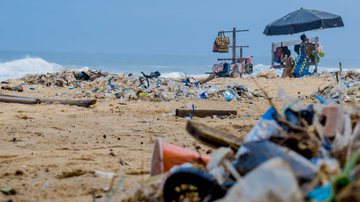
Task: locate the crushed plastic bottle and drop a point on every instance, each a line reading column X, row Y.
column 230, row 95
column 203, row 95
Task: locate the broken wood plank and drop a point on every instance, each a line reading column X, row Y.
column 205, row 112
column 212, row 137
column 32, row 100
column 140, row 172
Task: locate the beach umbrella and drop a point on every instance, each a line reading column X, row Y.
column 303, row 20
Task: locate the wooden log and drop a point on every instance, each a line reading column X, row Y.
column 80, row 103
column 18, row 88
column 212, row 137
column 31, row 100
column 207, row 79
column 205, row 112
column 20, row 100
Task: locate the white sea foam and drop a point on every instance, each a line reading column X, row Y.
column 181, row 75
column 260, row 68
column 29, row 65
column 173, row 75
column 34, row 65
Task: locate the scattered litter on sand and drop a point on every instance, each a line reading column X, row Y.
column 289, row 155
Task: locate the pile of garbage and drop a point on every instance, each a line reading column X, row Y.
column 63, row 78
column 151, row 87
column 299, row 153
column 346, row 89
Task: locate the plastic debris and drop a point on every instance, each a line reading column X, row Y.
column 104, row 174
column 128, row 87
column 253, row 154
column 314, row 147
column 272, row 181
column 191, row 184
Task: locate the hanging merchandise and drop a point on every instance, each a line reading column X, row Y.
column 221, row 43
column 215, row 47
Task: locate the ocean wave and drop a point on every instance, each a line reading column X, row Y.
column 29, row 65
column 34, row 65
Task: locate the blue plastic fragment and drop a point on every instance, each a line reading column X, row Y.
column 321, row 99
column 269, row 114
column 320, row 194
column 327, row 144
column 95, row 90
column 228, row 97
column 192, row 112
column 203, row 95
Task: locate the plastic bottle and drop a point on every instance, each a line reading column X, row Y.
column 228, row 96
column 203, row 95
column 342, row 88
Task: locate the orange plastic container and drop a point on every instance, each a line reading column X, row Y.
column 166, row 155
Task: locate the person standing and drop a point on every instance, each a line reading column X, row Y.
column 302, row 61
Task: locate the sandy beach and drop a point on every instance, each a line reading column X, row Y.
column 142, row 101
column 51, row 152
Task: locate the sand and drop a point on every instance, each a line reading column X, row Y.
column 51, row 152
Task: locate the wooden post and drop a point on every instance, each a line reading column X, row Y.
column 241, row 52
column 340, row 67
column 272, row 55
column 337, row 77
column 241, row 56
column 316, row 53
column 234, row 45
column 205, row 112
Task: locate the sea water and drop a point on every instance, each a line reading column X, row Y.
column 17, row 64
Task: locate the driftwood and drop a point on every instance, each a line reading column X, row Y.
column 205, row 112
column 209, row 78
column 212, row 137
column 18, row 99
column 80, row 103
column 18, row 88
column 32, row 100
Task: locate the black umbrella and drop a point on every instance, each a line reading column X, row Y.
column 303, row 20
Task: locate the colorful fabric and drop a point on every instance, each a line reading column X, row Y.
column 226, row 71
column 218, row 68
column 302, row 63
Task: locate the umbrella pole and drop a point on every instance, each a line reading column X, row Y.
column 272, row 55
column 234, row 45
column 316, row 55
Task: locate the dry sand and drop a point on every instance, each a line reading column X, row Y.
column 51, row 152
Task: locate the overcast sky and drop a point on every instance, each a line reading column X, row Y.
column 185, row 27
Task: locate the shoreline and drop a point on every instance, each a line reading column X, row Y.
column 29, row 65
